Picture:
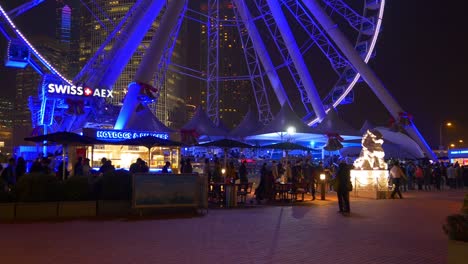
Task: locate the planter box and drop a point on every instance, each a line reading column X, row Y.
column 77, row 209
column 36, row 211
column 457, row 252
column 113, row 208
column 7, row 211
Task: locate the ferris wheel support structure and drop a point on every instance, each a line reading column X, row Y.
column 150, row 62
column 366, row 72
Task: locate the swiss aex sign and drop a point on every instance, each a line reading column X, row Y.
column 72, row 90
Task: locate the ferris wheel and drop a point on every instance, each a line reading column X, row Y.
column 312, row 51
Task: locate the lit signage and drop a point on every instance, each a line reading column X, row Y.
column 72, row 90
column 458, row 153
column 125, row 134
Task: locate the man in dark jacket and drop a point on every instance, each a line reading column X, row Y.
column 343, row 179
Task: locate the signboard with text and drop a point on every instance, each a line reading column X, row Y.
column 55, row 89
column 119, row 135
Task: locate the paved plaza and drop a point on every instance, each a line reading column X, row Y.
column 378, row 231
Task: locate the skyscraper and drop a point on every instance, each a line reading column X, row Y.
column 96, row 27
column 235, row 95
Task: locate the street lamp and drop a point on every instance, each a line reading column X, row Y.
column 448, row 124
column 452, row 145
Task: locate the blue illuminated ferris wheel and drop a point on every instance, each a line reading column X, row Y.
column 312, row 50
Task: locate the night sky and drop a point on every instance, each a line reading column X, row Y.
column 422, row 59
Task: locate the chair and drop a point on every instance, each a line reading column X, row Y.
column 244, row 189
column 282, row 190
column 300, row 189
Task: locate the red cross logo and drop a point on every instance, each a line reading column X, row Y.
column 88, row 91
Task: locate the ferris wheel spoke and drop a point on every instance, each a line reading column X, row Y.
column 159, row 104
column 253, row 64
column 275, row 35
column 299, row 63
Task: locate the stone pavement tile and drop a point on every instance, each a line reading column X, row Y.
column 377, row 231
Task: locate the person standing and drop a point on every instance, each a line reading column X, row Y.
column 166, row 167
column 396, row 174
column 78, row 168
column 451, row 176
column 20, row 168
column 243, row 173
column 230, row 173
column 274, row 170
column 188, row 166
column 437, row 175
column 419, row 173
column 207, row 170
column 343, row 178
column 288, row 172
column 9, row 173
column 308, row 172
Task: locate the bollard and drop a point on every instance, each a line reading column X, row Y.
column 322, row 186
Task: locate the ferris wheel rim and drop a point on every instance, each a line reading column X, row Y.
column 349, row 88
column 43, row 60
column 367, row 58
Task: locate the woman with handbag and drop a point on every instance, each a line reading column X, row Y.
column 343, row 186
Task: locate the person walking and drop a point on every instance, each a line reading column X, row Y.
column 343, row 178
column 396, row 174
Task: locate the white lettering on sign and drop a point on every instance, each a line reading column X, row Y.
column 53, row 88
column 122, row 135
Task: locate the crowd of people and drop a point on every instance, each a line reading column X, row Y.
column 300, row 173
column 410, row 175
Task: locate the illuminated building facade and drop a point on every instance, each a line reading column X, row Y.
column 235, row 95
column 93, row 32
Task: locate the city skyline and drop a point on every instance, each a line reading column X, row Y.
column 404, row 51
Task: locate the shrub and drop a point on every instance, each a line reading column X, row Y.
column 76, row 189
column 116, row 185
column 5, row 196
column 456, row 226
column 38, row 187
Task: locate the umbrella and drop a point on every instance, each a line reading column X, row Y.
column 225, row 143
column 65, row 138
column 286, row 146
